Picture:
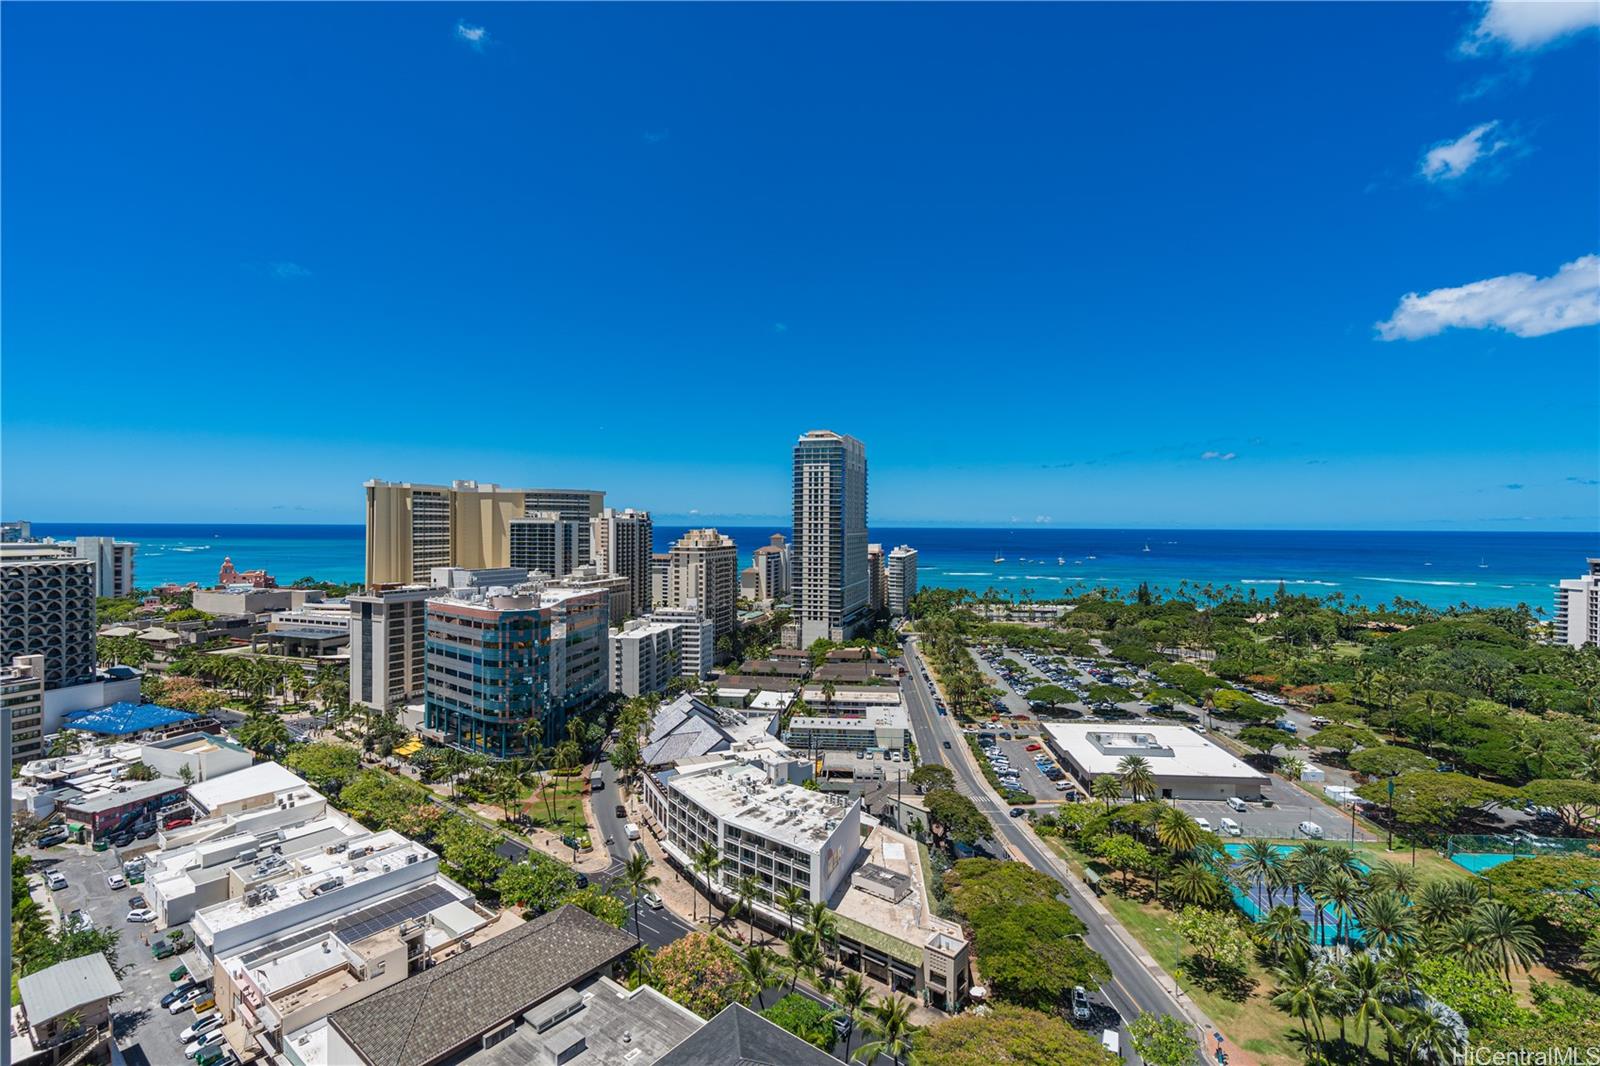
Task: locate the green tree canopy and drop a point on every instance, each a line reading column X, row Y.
column 930, row 776
column 1343, row 738
column 1431, row 802
column 538, row 884
column 1050, row 695
column 1162, row 1040
column 700, row 972
column 327, row 766
column 1385, row 760
column 598, row 902
column 956, row 816
column 1263, row 738
column 1560, row 893
column 1578, row 802
column 805, row 1018
column 1028, row 943
column 1009, row 1036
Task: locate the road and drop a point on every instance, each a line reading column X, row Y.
column 657, row 928
column 1133, row 990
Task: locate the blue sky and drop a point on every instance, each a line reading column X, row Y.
column 1235, row 265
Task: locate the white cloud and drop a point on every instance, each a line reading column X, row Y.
column 285, row 271
column 1527, row 25
column 1520, row 304
column 1220, row 456
column 1448, row 160
column 476, row 36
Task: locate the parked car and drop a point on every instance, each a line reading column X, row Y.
column 165, row 949
column 55, row 879
column 202, row 1025
column 116, row 881
column 181, row 991
column 177, row 821
column 141, row 914
column 1035, row 747
column 1203, row 823
column 202, row 1042
column 947, row 745
column 1016, row 812
column 145, row 830
column 1080, row 1003
column 122, row 840
column 653, row 901
column 79, row 920
column 178, row 973
column 51, row 837
column 622, row 812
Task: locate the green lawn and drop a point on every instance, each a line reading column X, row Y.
column 566, row 797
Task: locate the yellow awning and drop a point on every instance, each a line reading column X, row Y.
column 409, row 748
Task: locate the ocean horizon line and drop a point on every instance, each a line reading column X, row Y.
column 748, row 522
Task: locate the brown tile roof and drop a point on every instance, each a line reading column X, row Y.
column 430, row 1014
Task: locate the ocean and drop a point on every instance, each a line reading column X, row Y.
column 1439, row 569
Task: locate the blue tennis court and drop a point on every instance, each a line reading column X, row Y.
column 1477, row 862
column 1253, row 900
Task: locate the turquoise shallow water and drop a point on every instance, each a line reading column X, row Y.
column 1439, row 569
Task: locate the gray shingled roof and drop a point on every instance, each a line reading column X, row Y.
column 66, row 986
column 684, row 729
column 740, row 1037
column 428, row 1015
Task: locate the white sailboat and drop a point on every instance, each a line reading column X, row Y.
column 1147, row 547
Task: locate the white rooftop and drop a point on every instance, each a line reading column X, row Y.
column 1171, row 750
column 741, row 795
column 885, row 718
column 262, row 779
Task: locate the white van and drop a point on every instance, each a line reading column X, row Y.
column 1236, row 803
column 631, row 830
column 1111, row 1040
column 1310, row 829
column 1230, row 827
column 1203, row 823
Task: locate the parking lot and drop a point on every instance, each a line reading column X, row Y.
column 145, row 1031
column 1281, row 820
column 1024, row 762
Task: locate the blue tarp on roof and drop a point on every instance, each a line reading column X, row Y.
column 123, row 718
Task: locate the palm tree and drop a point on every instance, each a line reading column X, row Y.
column 639, row 963
column 707, row 862
column 1464, row 939
column 822, row 928
column 890, row 1019
column 1137, row 777
column 1301, row 994
column 1177, row 832
column 792, row 901
column 1261, row 861
column 852, row 998
column 1441, row 903
column 1341, row 892
column 637, row 879
column 803, row 957
column 1193, row 882
column 760, row 971
column 1386, row 918
column 1394, row 877
column 1428, row 1037
column 1508, row 940
column 1291, row 767
column 1284, row 932
column 749, row 890
column 1107, row 788
column 1364, row 990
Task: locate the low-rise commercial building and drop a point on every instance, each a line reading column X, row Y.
column 203, row 755
column 66, row 1008
column 886, row 730
column 1185, row 764
column 116, row 808
column 465, row 1007
column 778, row 833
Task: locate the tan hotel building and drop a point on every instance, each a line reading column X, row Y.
column 413, row 528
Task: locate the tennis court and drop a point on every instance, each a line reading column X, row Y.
column 1478, row 862
column 1255, row 901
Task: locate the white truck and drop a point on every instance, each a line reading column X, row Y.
column 631, row 830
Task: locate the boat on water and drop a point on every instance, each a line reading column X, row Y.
column 1061, row 560
column 999, row 558
column 1147, row 547
column 1483, row 564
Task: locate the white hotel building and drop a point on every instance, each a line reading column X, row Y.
column 778, row 833
column 1577, row 620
